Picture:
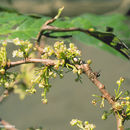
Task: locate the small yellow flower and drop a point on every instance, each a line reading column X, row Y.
column 15, row 53
column 118, row 82
column 4, row 43
column 73, row 122
column 30, row 45
column 20, row 54
column 41, row 86
column 17, row 41
column 42, row 94
column 44, row 101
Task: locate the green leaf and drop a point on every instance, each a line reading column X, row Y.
column 25, row 27
column 14, row 25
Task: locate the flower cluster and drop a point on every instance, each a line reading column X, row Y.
column 61, row 51
column 24, row 50
column 118, row 93
column 3, row 56
column 64, row 57
column 100, row 98
column 122, row 103
column 81, row 125
column 7, row 79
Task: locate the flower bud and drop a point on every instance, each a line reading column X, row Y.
column 118, row 82
column 27, row 50
column 94, row 102
column 6, row 84
column 54, row 75
column 117, row 106
column 17, row 41
column 127, row 98
column 44, row 101
column 89, row 61
column 2, row 71
column 33, row 90
column 61, row 75
column 122, row 79
column 71, row 45
column 4, row 43
column 41, row 85
column 73, row 122
column 42, row 94
column 79, row 71
column 104, row 116
column 30, row 45
column 75, row 70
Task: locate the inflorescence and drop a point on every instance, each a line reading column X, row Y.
column 61, row 55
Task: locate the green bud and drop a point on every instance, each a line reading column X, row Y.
column 86, row 122
column 89, row 61
column 61, row 75
column 104, row 116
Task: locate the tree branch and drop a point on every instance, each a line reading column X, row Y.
column 6, row 125
column 86, row 69
column 30, row 60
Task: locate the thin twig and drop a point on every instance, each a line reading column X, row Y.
column 7, row 125
column 5, row 94
column 2, row 97
column 30, row 60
